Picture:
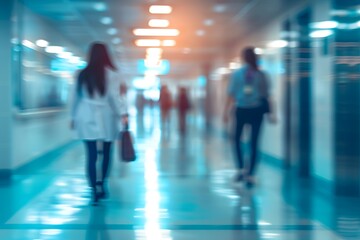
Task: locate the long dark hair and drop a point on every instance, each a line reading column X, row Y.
column 249, row 56
column 93, row 76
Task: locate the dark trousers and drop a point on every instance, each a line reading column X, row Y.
column 182, row 121
column 92, row 155
column 165, row 117
column 252, row 117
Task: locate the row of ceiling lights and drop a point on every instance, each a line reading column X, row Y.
column 158, row 24
column 112, row 31
column 59, row 51
column 321, row 30
column 157, row 28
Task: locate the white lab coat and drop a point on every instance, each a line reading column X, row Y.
column 98, row 117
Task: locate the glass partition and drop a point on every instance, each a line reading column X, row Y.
column 44, row 63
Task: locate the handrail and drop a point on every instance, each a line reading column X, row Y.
column 38, row 112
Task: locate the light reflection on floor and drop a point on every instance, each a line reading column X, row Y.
column 180, row 188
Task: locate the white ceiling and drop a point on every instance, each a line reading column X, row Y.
column 80, row 23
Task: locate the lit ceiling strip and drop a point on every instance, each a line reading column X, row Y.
column 168, row 43
column 160, row 9
column 159, row 23
column 156, row 32
column 148, row 43
column 154, row 43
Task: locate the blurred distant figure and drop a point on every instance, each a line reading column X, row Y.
column 124, row 104
column 53, row 98
column 123, row 91
column 165, row 102
column 95, row 114
column 183, row 104
column 248, row 92
column 140, row 102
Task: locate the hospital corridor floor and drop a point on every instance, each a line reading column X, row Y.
column 179, row 188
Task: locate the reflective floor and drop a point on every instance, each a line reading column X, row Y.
column 179, row 188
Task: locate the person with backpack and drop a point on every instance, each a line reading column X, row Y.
column 248, row 95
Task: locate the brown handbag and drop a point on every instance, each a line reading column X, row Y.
column 126, row 146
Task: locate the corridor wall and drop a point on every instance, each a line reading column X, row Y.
column 37, row 130
column 272, row 61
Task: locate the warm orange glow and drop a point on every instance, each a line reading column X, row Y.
column 160, row 9
column 154, row 43
column 156, row 32
column 159, row 23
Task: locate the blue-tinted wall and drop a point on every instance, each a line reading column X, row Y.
column 316, row 93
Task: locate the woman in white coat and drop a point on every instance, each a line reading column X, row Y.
column 96, row 112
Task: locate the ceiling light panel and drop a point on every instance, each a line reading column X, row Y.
column 186, row 50
column 148, row 43
column 259, row 51
column 116, row 41
column 28, row 44
column 219, row 8
column 321, row 33
column 159, row 23
column 65, row 55
column 200, row 32
column 156, row 32
column 54, row 49
column 74, row 59
column 325, row 25
column 100, row 6
column 42, row 43
column 160, row 9
column 112, row 31
column 154, row 43
column 168, row 43
column 278, row 44
column 208, row 22
column 106, row 20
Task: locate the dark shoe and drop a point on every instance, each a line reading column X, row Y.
column 250, row 181
column 240, row 176
column 102, row 193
